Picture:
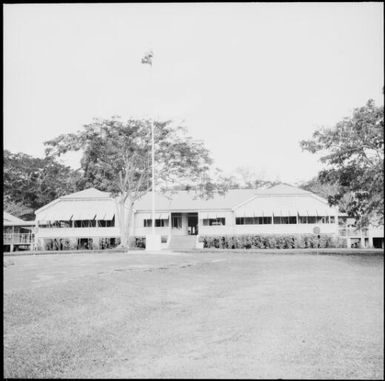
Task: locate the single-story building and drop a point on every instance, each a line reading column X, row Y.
column 372, row 236
column 87, row 219
column 17, row 233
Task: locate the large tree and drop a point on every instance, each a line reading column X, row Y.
column 30, row 182
column 116, row 157
column 248, row 178
column 353, row 152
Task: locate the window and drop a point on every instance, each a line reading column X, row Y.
column 285, row 220
column 253, row 220
column 315, row 220
column 311, row 219
column 161, row 223
column 94, row 223
column 59, row 224
column 147, row 223
column 214, row 221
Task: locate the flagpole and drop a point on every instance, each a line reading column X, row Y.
column 153, row 176
column 147, row 59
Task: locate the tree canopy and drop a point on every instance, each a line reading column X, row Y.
column 353, row 152
column 30, row 183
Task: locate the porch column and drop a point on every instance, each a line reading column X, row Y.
column 35, row 240
column 12, row 240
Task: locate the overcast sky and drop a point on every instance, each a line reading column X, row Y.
column 251, row 80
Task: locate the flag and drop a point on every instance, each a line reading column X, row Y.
column 147, row 59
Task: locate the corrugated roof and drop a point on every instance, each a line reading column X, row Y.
column 280, row 199
column 7, row 217
column 187, row 200
column 283, row 189
column 88, row 193
column 103, row 209
column 284, row 205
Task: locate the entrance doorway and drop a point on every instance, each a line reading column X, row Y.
column 378, row 242
column 192, row 223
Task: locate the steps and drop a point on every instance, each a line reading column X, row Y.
column 182, row 242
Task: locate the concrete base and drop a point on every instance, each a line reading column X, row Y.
column 153, row 242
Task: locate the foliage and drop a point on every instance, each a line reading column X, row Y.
column 30, row 183
column 324, row 190
column 246, row 178
column 16, row 208
column 354, row 156
column 272, row 241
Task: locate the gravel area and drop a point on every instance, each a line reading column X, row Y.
column 184, row 315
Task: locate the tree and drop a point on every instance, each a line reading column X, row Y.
column 248, row 178
column 117, row 158
column 353, row 152
column 16, row 208
column 324, row 190
column 30, row 183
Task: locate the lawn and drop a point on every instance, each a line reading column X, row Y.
column 216, row 315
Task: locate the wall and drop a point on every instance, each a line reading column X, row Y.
column 228, row 228
column 77, row 232
column 232, row 228
column 141, row 231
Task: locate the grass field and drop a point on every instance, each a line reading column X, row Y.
column 216, row 315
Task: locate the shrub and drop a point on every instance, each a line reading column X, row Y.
column 272, row 241
column 140, row 242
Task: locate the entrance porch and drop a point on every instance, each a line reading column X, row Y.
column 184, row 224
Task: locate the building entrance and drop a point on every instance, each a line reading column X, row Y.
column 192, row 223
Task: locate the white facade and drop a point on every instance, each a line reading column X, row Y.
column 282, row 209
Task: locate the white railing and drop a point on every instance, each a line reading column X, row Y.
column 17, row 238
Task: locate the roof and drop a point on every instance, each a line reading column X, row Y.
column 282, row 199
column 87, row 193
column 9, row 220
column 7, row 217
column 263, row 205
column 77, row 209
column 188, row 200
column 283, row 189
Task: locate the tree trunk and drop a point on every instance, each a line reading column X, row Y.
column 124, row 215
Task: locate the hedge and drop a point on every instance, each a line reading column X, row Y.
column 272, row 241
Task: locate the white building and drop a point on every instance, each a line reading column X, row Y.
column 17, row 233
column 87, row 218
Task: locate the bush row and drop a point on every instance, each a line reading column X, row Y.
column 272, row 241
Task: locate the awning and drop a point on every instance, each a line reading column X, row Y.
column 84, row 215
column 284, row 207
column 158, row 216
column 55, row 215
column 78, row 210
column 211, row 215
column 285, row 213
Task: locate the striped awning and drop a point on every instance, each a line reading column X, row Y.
column 284, row 207
column 78, row 210
column 158, row 216
column 211, row 215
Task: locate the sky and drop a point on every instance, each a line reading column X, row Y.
column 249, row 79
